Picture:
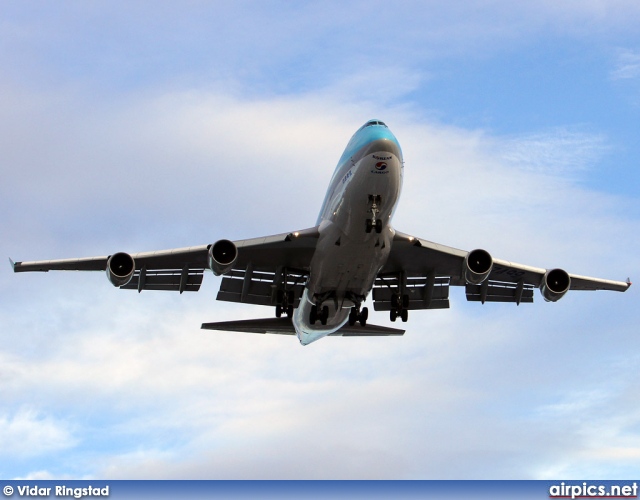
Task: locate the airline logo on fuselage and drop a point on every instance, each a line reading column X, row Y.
column 381, row 166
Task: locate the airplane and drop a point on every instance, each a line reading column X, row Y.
column 318, row 278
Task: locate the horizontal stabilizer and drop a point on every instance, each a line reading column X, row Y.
column 284, row 326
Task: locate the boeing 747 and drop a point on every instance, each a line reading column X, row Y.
column 317, row 279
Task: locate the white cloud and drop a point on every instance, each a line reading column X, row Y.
column 39, row 475
column 603, row 435
column 179, row 402
column 302, row 47
column 27, row 433
column 627, row 65
column 557, row 152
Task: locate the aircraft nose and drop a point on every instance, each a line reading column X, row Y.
column 384, row 144
column 382, row 139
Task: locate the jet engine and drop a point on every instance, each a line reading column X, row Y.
column 477, row 266
column 120, row 268
column 222, row 256
column 555, row 284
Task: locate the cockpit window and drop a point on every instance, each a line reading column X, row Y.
column 370, row 123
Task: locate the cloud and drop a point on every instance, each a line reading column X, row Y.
column 173, row 401
column 303, row 48
column 627, row 65
column 558, row 152
column 603, row 434
column 26, row 433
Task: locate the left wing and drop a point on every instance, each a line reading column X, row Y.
column 424, row 270
column 182, row 269
column 179, row 269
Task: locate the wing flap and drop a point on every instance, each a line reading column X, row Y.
column 167, row 280
column 262, row 288
column 496, row 291
column 423, row 292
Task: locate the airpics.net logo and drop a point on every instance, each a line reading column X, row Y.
column 586, row 490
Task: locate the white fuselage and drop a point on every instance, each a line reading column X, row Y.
column 365, row 185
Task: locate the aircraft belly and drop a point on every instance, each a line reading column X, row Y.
column 339, row 272
column 347, row 258
column 345, row 263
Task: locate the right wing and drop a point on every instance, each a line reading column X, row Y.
column 182, row 269
column 426, row 270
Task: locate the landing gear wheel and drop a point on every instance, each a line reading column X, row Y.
column 394, row 301
column 393, row 314
column 290, row 311
column 325, row 315
column 404, row 315
column 363, row 316
column 405, row 301
column 313, row 315
column 369, row 226
column 278, row 311
column 379, row 226
column 353, row 316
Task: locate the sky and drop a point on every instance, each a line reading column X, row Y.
column 136, row 126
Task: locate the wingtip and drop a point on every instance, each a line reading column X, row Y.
column 13, row 265
column 629, row 282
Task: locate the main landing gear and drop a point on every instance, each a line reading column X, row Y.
column 358, row 316
column 318, row 313
column 399, row 307
column 285, row 301
column 374, row 208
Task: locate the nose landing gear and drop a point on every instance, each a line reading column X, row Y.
column 374, row 207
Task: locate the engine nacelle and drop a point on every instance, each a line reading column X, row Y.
column 120, row 268
column 222, row 256
column 477, row 266
column 555, row 284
